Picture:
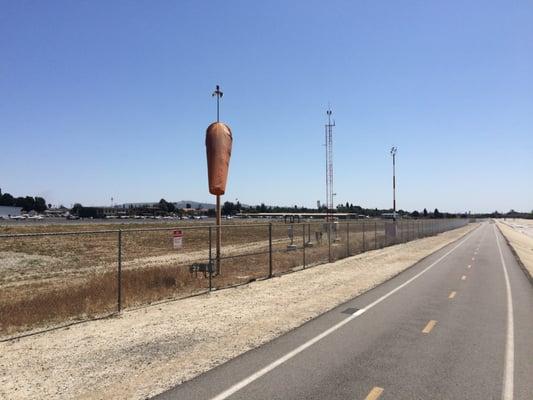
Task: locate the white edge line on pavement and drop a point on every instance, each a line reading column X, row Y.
column 245, row 382
column 508, row 372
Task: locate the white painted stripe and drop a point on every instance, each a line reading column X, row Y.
column 508, row 372
column 245, row 382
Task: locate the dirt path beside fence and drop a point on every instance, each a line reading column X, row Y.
column 148, row 350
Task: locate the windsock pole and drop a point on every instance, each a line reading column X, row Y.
column 219, row 235
column 218, row 93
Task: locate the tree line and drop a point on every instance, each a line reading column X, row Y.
column 230, row 208
column 27, row 203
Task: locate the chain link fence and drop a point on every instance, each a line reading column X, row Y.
column 64, row 277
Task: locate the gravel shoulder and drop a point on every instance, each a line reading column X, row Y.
column 146, row 351
column 519, row 234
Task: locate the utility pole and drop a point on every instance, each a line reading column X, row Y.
column 393, row 153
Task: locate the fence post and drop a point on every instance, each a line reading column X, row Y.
column 270, row 250
column 303, row 243
column 364, row 245
column 210, row 259
column 375, row 235
column 347, row 238
column 119, row 272
column 329, row 241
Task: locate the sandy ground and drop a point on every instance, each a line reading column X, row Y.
column 519, row 233
column 146, row 351
column 521, row 225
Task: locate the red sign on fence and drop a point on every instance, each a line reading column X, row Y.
column 177, row 236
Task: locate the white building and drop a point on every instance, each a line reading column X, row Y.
column 6, row 211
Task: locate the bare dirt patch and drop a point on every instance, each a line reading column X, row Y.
column 519, row 233
column 145, row 351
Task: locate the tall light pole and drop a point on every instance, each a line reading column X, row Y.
column 393, row 153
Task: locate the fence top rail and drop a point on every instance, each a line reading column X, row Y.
column 207, row 226
column 74, row 233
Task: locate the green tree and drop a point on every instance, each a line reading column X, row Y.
column 40, row 204
column 163, row 205
column 26, row 203
column 7, row 200
column 76, row 208
column 228, row 208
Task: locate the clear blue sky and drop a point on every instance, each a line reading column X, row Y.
column 112, row 98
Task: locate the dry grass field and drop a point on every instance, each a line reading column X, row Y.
column 58, row 278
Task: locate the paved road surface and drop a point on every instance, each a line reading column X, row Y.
column 444, row 329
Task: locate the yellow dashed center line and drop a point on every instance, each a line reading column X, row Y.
column 463, row 278
column 374, row 393
column 431, row 324
column 452, row 295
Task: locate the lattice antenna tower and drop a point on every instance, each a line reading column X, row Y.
column 329, row 166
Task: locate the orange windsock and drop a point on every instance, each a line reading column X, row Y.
column 218, row 142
